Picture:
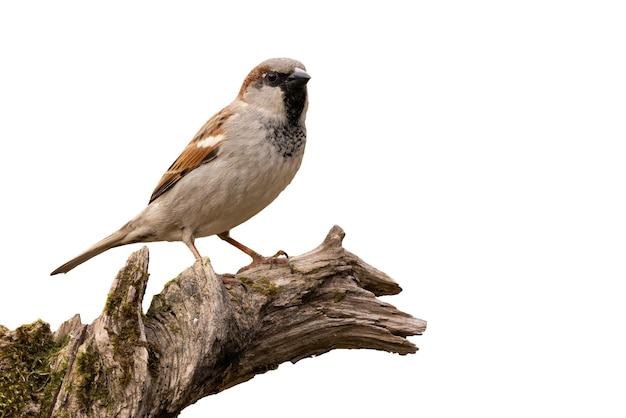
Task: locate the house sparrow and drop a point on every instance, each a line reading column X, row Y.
column 236, row 165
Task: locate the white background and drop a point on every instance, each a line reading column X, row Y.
column 474, row 151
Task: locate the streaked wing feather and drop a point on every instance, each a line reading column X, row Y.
column 212, row 134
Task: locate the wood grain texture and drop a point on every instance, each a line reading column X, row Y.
column 205, row 333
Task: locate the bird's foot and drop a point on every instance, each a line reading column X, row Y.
column 280, row 257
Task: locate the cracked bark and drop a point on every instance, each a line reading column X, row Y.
column 205, row 333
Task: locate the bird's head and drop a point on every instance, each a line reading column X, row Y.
column 277, row 88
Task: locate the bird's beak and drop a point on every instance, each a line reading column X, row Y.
column 298, row 78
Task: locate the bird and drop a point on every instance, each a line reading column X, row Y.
column 240, row 160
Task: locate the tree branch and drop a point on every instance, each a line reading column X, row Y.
column 205, row 333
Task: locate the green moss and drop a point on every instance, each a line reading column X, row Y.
column 56, row 379
column 27, row 378
column 113, row 302
column 154, row 364
column 92, row 384
column 159, row 304
column 125, row 341
column 124, row 345
column 246, row 280
column 262, row 285
column 265, row 286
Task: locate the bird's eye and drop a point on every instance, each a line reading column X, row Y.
column 271, row 76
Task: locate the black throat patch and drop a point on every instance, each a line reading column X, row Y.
column 288, row 139
column 294, row 100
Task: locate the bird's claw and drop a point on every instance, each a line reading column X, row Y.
column 275, row 259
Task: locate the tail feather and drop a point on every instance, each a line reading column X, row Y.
column 114, row 240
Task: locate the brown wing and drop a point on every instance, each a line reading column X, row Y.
column 202, row 149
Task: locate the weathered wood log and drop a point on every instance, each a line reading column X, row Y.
column 202, row 334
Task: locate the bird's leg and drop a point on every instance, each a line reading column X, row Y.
column 189, row 239
column 256, row 257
